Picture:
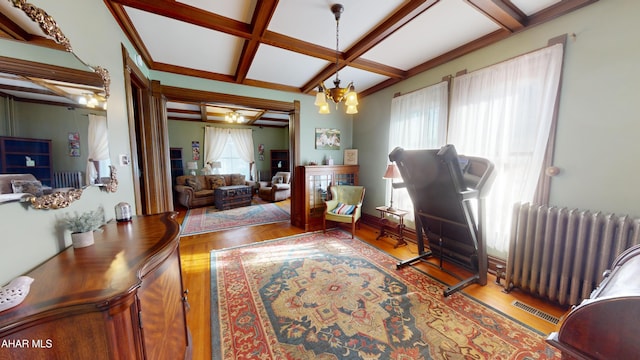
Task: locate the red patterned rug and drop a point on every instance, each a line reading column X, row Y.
column 209, row 219
column 326, row 296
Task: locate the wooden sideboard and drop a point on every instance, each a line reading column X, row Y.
column 310, row 185
column 606, row 326
column 121, row 298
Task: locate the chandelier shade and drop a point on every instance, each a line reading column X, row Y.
column 337, row 94
column 234, row 117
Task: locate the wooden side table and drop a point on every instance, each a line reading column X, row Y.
column 390, row 228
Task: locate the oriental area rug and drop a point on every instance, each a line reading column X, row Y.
column 327, row 296
column 208, row 219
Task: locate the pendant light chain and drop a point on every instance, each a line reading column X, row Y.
column 337, row 94
column 337, row 81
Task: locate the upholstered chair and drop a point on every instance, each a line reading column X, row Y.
column 345, row 206
column 278, row 189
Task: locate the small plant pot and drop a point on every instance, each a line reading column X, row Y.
column 80, row 240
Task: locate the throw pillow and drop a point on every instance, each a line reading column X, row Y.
column 344, row 209
column 217, row 181
column 33, row 187
column 277, row 180
column 237, row 179
column 194, row 183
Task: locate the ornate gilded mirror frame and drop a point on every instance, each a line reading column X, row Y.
column 58, row 200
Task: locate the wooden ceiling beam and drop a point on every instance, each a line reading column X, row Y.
column 557, row 10
column 351, row 57
column 400, row 18
column 502, row 13
column 261, row 17
column 191, row 15
column 190, row 95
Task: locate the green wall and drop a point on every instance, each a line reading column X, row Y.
column 597, row 136
column 182, row 133
column 55, row 123
column 596, row 145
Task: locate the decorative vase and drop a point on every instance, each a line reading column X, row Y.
column 80, row 240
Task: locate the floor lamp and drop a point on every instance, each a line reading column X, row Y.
column 391, row 173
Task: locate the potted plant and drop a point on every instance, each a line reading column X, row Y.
column 83, row 225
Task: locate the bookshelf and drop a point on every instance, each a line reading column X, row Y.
column 175, row 156
column 13, row 158
column 279, row 157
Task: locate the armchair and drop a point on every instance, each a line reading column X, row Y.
column 278, row 189
column 345, row 206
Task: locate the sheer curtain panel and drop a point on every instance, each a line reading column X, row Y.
column 243, row 139
column 504, row 113
column 98, row 144
column 214, row 142
column 418, row 121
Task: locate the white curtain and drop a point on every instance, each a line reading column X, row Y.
column 418, row 121
column 504, row 113
column 214, row 141
column 243, row 139
column 98, row 144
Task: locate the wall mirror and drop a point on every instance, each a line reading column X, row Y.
column 54, row 120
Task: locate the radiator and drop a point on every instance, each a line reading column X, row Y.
column 65, row 179
column 560, row 254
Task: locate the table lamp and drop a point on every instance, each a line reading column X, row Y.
column 391, row 173
column 193, row 166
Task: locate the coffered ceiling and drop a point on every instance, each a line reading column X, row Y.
column 290, row 45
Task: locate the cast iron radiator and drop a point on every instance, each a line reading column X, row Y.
column 65, row 179
column 561, row 254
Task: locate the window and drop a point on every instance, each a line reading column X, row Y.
column 418, row 121
column 504, row 113
column 231, row 161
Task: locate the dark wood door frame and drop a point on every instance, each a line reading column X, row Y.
column 148, row 132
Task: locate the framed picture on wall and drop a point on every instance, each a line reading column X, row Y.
column 327, row 139
column 351, row 157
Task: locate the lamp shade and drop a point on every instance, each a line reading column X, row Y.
column 216, row 165
column 192, row 165
column 391, row 172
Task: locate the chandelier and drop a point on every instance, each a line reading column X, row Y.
column 234, row 117
column 337, row 94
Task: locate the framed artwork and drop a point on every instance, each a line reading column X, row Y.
column 351, row 157
column 327, row 139
column 195, row 149
column 74, row 144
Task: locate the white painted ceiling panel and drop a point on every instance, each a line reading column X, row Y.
column 280, row 66
column 308, row 27
column 431, row 34
column 313, row 21
column 530, row 7
column 175, row 42
column 241, row 10
column 361, row 79
column 182, row 106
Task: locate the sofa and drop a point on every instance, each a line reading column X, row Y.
column 278, row 189
column 199, row 190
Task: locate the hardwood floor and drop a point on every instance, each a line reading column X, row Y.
column 196, row 277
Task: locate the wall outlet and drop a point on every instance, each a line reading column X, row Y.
column 124, row 160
